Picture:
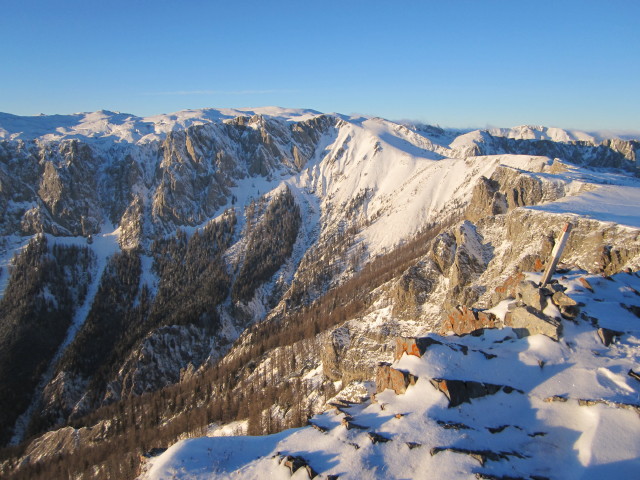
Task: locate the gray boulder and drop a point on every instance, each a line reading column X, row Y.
column 527, row 321
column 530, row 294
column 561, row 299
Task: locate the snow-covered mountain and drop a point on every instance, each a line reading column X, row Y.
column 136, row 251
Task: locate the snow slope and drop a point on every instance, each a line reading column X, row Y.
column 572, row 411
column 608, row 203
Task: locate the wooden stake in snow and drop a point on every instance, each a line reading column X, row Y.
column 556, row 254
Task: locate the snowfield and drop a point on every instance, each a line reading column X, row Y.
column 571, row 412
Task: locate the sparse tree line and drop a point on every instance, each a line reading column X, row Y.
column 49, row 282
column 324, row 261
column 270, row 243
column 193, row 282
column 46, row 284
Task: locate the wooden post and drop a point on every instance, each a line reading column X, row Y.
column 556, row 254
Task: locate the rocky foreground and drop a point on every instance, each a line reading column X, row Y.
column 555, row 396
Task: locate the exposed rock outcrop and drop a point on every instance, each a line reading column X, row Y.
column 160, row 358
column 415, row 346
column 486, row 200
column 396, row 380
column 351, row 353
column 463, row 320
column 459, row 391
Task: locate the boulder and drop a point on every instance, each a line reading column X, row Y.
column 570, row 312
column 561, row 299
column 377, row 438
column 482, row 456
column 507, row 289
column 295, row 463
column 585, row 283
column 554, row 286
column 530, row 294
column 349, row 424
column 635, row 309
column 463, row 320
column 453, row 425
column 320, row 428
column 528, row 321
column 396, row 380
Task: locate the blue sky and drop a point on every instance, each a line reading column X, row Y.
column 573, row 64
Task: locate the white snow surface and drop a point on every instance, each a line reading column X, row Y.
column 593, row 432
column 608, row 203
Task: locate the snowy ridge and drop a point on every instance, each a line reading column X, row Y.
column 128, row 128
column 617, row 204
column 570, row 411
column 529, row 132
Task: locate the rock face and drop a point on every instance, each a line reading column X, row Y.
column 459, row 257
column 486, row 200
column 333, row 350
column 65, row 439
column 351, row 353
column 159, row 359
column 413, row 288
column 181, row 180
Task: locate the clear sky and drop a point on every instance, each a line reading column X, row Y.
column 459, row 63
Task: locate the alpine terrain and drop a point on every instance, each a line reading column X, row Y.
column 280, row 293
